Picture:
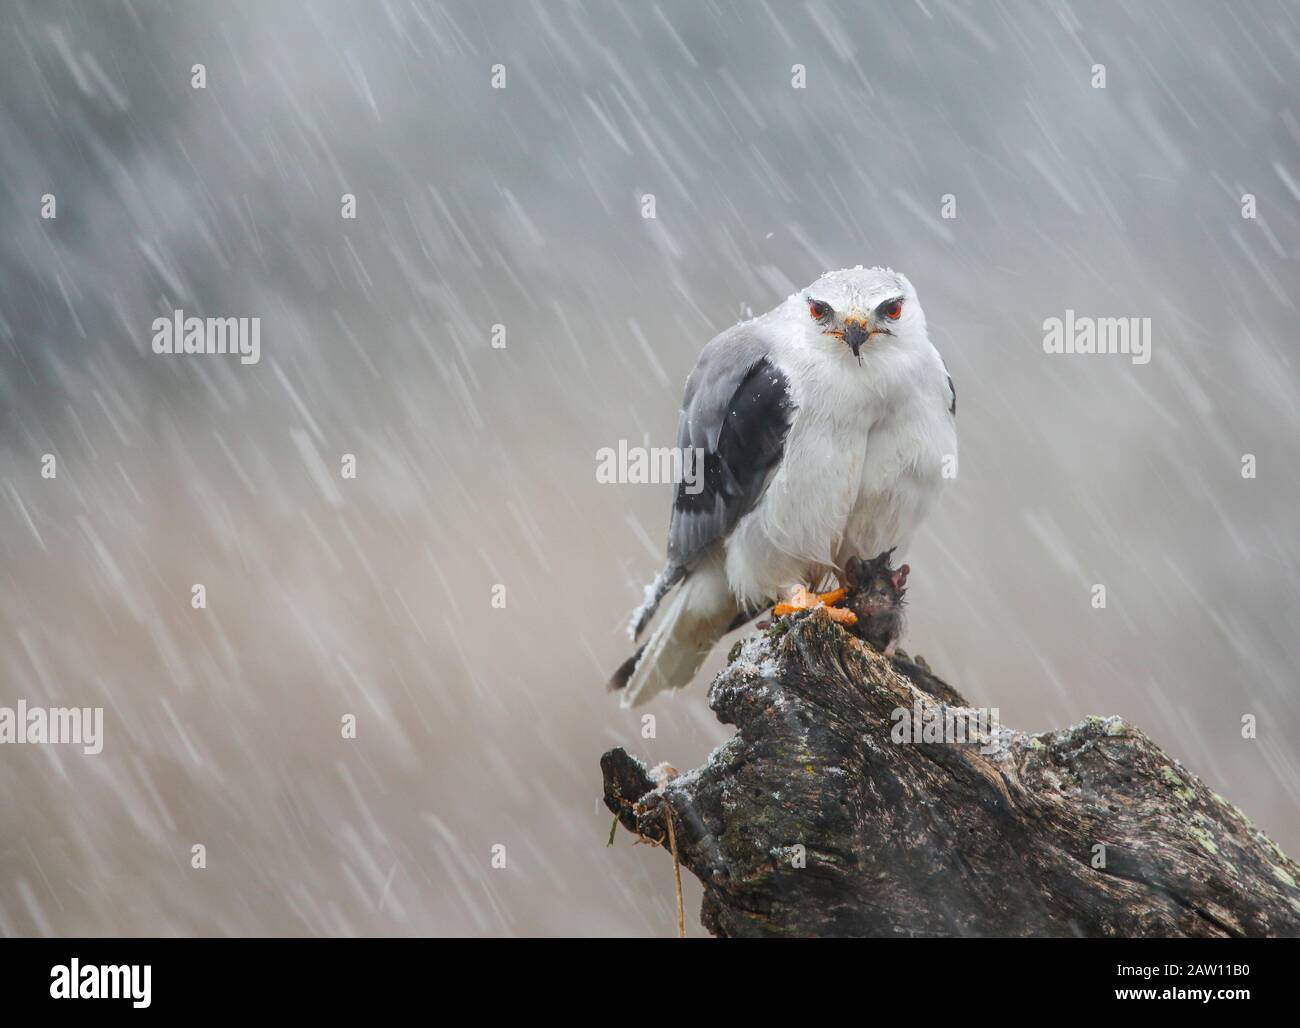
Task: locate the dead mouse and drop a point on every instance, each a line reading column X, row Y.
column 875, row 595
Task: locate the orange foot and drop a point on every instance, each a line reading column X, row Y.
column 802, row 599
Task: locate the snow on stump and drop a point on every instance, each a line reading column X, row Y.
column 813, row 821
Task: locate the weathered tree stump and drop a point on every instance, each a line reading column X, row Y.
column 994, row 838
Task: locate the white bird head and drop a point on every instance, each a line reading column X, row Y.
column 867, row 310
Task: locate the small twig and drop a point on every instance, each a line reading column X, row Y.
column 677, row 869
column 672, row 844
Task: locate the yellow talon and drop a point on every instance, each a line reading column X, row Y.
column 802, row 599
column 842, row 615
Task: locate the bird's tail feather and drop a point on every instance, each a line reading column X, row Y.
column 654, row 593
column 620, row 678
column 695, row 618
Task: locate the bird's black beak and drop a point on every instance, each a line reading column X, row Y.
column 855, row 334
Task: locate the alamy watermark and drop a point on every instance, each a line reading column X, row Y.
column 1077, row 333
column 210, row 336
column 651, row 465
column 933, row 723
column 77, row 726
column 75, row 980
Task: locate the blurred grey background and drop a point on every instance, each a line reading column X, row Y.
column 479, row 726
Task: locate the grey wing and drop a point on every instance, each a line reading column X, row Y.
column 736, row 413
column 952, row 389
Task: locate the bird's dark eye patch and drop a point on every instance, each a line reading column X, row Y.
column 891, row 309
column 819, row 311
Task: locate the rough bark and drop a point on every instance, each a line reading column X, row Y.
column 993, row 838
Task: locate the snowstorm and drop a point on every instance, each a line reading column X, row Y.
column 321, row 322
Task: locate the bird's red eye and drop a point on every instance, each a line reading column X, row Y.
column 818, row 310
column 894, row 311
